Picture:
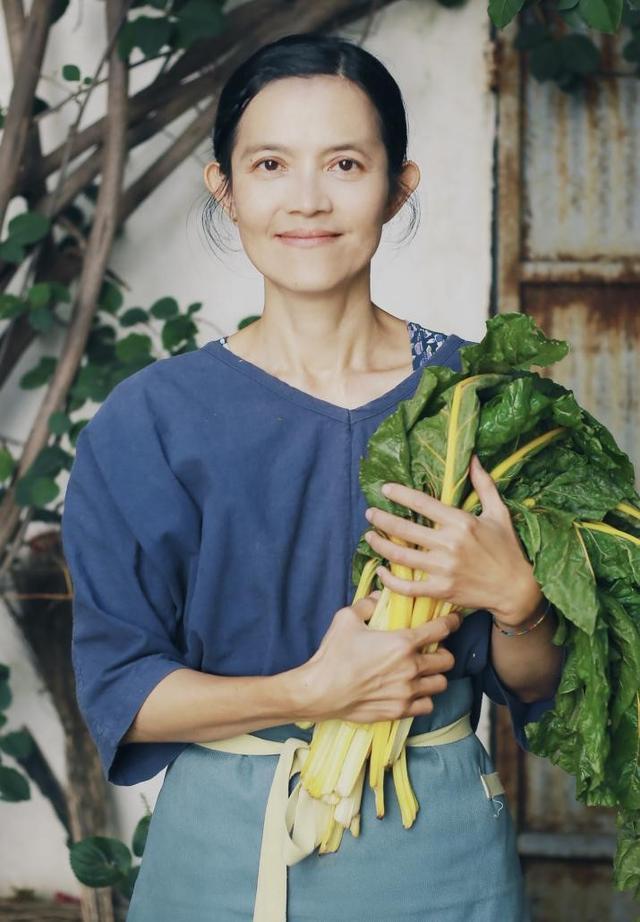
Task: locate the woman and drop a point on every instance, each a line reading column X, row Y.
column 210, row 521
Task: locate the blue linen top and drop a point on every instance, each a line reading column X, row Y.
column 210, row 520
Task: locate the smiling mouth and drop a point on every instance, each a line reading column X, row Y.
column 308, row 241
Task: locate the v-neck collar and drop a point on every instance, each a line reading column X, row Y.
column 343, row 414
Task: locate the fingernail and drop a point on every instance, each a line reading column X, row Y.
column 368, row 535
column 369, row 515
column 385, row 489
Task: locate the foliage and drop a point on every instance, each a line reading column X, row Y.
column 104, row 861
column 14, row 786
column 555, row 35
column 571, row 494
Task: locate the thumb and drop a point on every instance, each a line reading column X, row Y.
column 485, row 487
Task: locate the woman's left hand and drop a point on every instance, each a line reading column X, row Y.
column 468, row 560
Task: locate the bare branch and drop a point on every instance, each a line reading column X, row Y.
column 93, row 268
column 307, row 17
column 240, row 22
column 18, row 120
column 176, row 104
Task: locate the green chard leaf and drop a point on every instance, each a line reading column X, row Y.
column 613, row 555
column 626, row 863
column 512, row 341
column 563, row 569
column 441, row 445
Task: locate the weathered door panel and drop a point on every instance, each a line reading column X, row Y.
column 567, row 252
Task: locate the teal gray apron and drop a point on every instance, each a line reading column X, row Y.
column 457, row 863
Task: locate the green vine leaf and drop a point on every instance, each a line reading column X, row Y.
column 11, row 251
column 176, row 330
column 41, row 319
column 13, row 785
column 28, row 228
column 11, row 306
column 110, row 298
column 140, row 835
column 604, row 15
column 59, row 423
column 7, row 464
column 50, row 461
column 503, row 11
column 198, row 19
column 59, row 9
column 100, row 861
column 5, row 691
column 71, row 72
column 40, row 374
column 18, row 744
column 40, row 294
column 133, row 347
column 164, row 308
column 247, row 320
column 134, row 315
column 35, row 491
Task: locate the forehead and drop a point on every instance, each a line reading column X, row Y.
column 308, row 113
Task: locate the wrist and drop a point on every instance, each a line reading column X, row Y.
column 301, row 693
column 530, row 606
column 542, row 615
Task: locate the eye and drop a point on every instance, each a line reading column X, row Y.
column 348, row 160
column 267, row 160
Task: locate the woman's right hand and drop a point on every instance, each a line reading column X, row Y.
column 366, row 675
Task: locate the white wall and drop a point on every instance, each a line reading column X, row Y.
column 440, row 279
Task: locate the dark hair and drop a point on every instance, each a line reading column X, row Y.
column 308, row 54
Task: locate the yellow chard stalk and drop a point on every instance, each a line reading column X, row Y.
column 449, row 440
column 335, row 769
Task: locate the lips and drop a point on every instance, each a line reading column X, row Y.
column 307, row 238
column 304, row 234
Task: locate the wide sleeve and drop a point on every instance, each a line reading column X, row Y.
column 478, row 664
column 124, row 619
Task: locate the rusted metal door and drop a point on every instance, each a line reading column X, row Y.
column 567, row 252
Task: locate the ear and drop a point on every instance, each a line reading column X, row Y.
column 214, row 181
column 408, row 182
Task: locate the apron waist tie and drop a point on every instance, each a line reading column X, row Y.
column 294, row 823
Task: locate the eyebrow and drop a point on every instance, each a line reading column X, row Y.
column 255, row 148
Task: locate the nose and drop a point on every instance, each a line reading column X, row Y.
column 307, row 194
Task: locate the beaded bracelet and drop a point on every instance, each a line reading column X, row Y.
column 519, row 633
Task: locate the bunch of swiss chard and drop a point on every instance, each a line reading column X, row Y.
column 573, row 502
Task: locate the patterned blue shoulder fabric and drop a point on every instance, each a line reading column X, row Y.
column 424, row 342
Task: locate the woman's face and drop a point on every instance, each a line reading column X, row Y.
column 308, row 156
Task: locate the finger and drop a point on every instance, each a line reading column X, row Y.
column 420, row 707
column 432, row 585
column 409, row 531
column 430, row 685
column 486, row 489
column 431, row 663
column 415, row 558
column 422, row 503
column 435, row 630
column 364, row 607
